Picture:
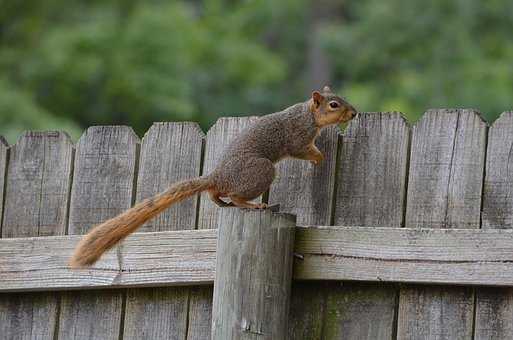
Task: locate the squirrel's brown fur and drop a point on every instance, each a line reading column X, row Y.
column 245, row 171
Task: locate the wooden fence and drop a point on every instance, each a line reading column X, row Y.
column 435, row 260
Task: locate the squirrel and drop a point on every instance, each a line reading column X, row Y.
column 244, row 172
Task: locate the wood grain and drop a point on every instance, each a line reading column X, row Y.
column 498, row 183
column 170, row 152
column 37, row 192
column 39, row 180
column 307, row 191
column 146, row 259
column 103, row 177
column 444, row 191
column 217, row 139
column 370, row 192
column 90, row 315
column 462, row 257
column 156, row 313
column 446, row 170
column 444, row 256
column 345, row 300
column 28, row 316
column 253, row 275
column 494, row 307
column 436, row 313
column 200, row 311
column 307, row 309
column 103, row 186
column 372, row 177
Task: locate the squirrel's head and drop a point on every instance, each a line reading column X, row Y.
column 328, row 108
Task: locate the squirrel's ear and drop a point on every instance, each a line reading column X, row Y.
column 326, row 89
column 317, row 98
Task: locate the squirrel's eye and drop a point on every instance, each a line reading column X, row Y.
column 334, row 105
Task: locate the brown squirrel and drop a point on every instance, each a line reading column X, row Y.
column 245, row 171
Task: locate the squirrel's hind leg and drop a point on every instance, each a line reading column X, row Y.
column 214, row 196
column 243, row 203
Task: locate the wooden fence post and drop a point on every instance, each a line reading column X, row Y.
column 253, row 274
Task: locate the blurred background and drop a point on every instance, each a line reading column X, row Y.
column 69, row 64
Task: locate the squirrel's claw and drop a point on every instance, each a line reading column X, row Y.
column 316, row 161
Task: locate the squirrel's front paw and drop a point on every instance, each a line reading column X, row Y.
column 317, row 161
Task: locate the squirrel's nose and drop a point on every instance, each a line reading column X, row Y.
column 354, row 113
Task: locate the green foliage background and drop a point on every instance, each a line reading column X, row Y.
column 70, row 64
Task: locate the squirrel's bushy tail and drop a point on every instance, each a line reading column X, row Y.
column 104, row 236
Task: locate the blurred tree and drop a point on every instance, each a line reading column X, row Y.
column 20, row 112
column 77, row 63
column 139, row 62
column 434, row 54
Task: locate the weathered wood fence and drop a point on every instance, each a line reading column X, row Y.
column 434, row 261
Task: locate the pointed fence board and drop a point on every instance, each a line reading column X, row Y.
column 217, row 139
column 170, row 152
column 103, row 178
column 306, row 190
column 370, row 192
column 494, row 307
column 37, row 192
column 39, row 180
column 444, row 191
column 103, row 186
column 372, row 176
column 446, row 170
column 498, row 183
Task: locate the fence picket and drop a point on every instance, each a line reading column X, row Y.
column 444, row 191
column 37, row 192
column 103, row 180
column 307, row 191
column 218, row 137
column 494, row 307
column 370, row 193
column 169, row 152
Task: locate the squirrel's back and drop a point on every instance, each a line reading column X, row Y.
column 274, row 136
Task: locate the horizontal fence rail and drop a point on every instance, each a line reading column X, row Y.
column 434, row 256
